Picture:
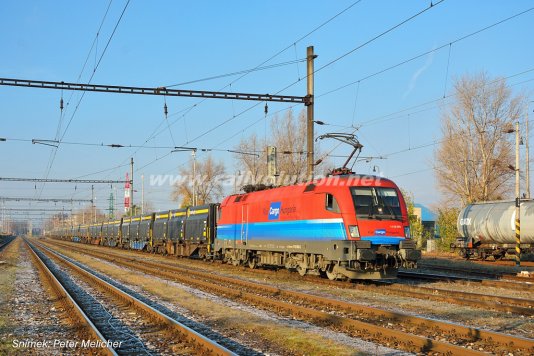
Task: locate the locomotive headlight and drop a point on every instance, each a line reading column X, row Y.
column 407, row 232
column 354, row 231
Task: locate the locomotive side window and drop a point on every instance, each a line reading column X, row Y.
column 376, row 203
column 331, row 203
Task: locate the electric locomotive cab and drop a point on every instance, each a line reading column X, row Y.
column 382, row 221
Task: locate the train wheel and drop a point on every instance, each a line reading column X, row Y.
column 252, row 263
column 302, row 270
column 331, row 273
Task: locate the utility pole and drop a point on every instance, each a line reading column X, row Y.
column 71, row 215
column 132, row 209
column 517, row 201
column 142, row 194
column 93, row 202
column 310, row 134
column 111, row 204
column 527, row 168
column 194, row 200
column 4, row 216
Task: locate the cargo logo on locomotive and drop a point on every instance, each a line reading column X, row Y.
column 274, row 210
column 380, row 232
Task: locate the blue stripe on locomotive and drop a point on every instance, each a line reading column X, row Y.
column 299, row 230
column 285, row 230
column 383, row 240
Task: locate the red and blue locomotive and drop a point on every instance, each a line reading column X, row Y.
column 342, row 226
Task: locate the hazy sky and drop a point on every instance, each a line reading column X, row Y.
column 161, row 43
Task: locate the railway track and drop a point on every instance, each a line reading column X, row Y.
column 477, row 300
column 75, row 312
column 120, row 315
column 519, row 306
column 504, row 263
column 516, row 285
column 406, row 332
column 477, row 272
column 507, row 262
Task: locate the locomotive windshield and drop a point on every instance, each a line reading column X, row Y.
column 376, row 203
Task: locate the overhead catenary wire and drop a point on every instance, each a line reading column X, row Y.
column 392, row 116
column 189, row 108
column 383, row 33
column 54, row 151
column 357, row 128
column 83, row 68
column 523, row 72
column 97, row 65
column 420, row 105
column 322, row 67
column 62, row 113
column 188, row 141
column 244, row 71
column 448, row 44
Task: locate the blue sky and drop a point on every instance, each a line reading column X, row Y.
column 160, row 43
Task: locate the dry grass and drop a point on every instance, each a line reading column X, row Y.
column 270, row 334
column 7, row 286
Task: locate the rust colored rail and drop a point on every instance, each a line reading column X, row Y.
column 506, row 263
column 406, row 341
column 75, row 312
column 506, row 304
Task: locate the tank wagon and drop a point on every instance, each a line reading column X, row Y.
column 488, row 229
column 345, row 226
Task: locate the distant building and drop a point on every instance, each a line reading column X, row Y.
column 428, row 219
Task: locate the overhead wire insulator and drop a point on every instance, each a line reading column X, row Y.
column 61, row 104
column 266, row 109
column 165, row 111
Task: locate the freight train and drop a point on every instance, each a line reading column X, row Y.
column 488, row 229
column 341, row 227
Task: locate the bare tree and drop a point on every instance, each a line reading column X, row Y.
column 252, row 157
column 207, row 183
column 474, row 157
column 288, row 135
